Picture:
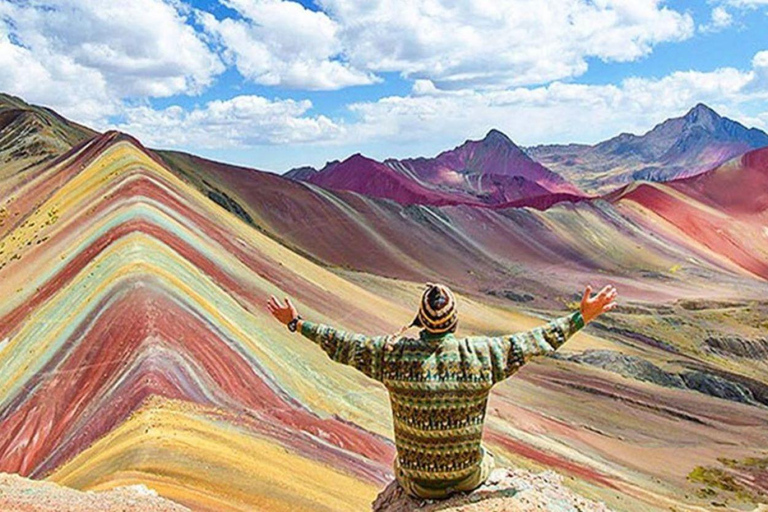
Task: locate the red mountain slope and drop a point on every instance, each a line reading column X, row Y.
column 724, row 209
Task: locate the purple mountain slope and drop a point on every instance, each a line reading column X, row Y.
column 488, row 172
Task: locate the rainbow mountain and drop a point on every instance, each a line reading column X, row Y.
column 135, row 346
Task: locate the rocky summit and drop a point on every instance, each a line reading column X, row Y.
column 505, row 490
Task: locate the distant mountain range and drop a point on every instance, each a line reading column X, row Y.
column 493, row 171
column 684, row 146
column 496, row 172
column 488, row 174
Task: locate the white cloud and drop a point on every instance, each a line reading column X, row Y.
column 720, row 19
column 759, row 80
column 486, row 43
column 282, row 43
column 455, row 44
column 83, row 57
column 557, row 112
column 242, row 121
column 54, row 81
column 746, row 3
column 475, row 64
column 560, row 112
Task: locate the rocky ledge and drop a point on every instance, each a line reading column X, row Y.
column 505, row 490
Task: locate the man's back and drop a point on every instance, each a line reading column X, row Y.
column 438, row 386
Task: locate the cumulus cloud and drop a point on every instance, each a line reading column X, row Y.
column 281, row 43
column 560, row 112
column 57, row 82
column 242, row 121
column 759, row 82
column 486, row 43
column 720, row 20
column 456, row 44
column 746, row 3
column 557, row 112
column 83, row 57
column 474, row 64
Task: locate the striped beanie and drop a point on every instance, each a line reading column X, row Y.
column 437, row 310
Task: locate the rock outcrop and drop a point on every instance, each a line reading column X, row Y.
column 629, row 366
column 755, row 348
column 705, row 380
column 719, row 387
column 506, row 490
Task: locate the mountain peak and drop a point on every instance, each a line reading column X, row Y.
column 8, row 100
column 495, row 136
column 357, row 158
column 701, row 113
column 300, row 173
column 703, row 107
column 685, row 145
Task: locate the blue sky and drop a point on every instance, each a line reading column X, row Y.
column 274, row 84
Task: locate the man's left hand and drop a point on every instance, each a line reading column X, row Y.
column 591, row 307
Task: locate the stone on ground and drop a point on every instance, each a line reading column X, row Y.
column 505, row 490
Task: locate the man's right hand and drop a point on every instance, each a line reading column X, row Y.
column 591, row 307
column 283, row 313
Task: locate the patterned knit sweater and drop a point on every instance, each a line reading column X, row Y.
column 438, row 387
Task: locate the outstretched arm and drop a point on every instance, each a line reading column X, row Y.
column 365, row 353
column 509, row 353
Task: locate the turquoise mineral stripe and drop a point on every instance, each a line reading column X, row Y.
column 141, row 254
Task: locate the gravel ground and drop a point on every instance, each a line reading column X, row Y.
column 505, row 491
column 19, row 494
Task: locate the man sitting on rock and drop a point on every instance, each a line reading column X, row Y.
column 439, row 384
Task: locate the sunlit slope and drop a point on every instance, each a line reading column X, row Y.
column 724, row 211
column 687, row 308
column 143, row 287
column 135, row 346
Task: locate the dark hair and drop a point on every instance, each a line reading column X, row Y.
column 435, row 299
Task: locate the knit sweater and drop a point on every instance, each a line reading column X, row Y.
column 438, row 387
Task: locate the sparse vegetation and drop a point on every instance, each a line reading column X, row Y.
column 740, row 480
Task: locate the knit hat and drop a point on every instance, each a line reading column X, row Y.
column 437, row 309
